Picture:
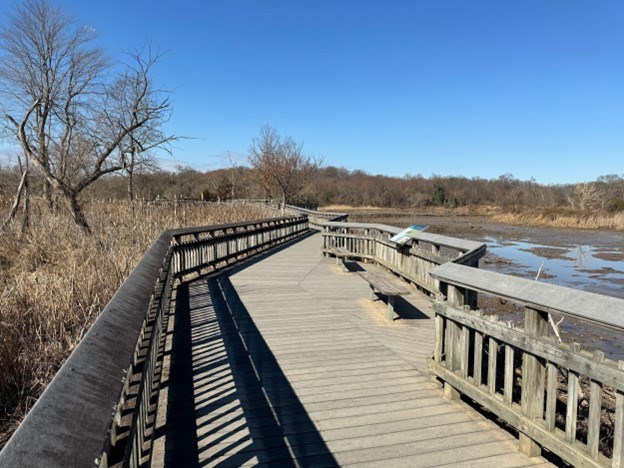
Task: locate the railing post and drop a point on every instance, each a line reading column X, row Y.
column 533, row 379
column 454, row 339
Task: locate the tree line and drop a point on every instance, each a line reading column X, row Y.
column 339, row 186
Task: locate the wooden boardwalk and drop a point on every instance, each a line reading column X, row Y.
column 286, row 361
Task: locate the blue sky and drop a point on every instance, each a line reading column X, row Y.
column 534, row 88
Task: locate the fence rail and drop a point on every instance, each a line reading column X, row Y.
column 428, row 251
column 557, row 396
column 317, row 219
column 98, row 409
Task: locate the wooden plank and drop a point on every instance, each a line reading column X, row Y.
column 551, row 395
column 595, row 406
column 618, row 430
column 533, row 378
column 385, row 283
column 572, row 404
column 331, row 374
column 509, row 374
column 491, row 378
column 478, row 352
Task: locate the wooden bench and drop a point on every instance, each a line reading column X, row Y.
column 341, row 254
column 386, row 284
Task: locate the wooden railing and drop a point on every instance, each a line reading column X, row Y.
column 557, row 396
column 317, row 219
column 100, row 407
column 428, row 251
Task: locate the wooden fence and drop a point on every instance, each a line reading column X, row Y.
column 316, row 219
column 428, row 251
column 100, row 407
column 557, row 396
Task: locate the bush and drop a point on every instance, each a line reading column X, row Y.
column 616, row 205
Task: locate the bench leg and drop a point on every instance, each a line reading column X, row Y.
column 390, row 308
column 373, row 296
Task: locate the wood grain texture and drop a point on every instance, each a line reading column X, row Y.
column 289, row 363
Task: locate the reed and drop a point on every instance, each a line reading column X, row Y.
column 54, row 281
column 564, row 219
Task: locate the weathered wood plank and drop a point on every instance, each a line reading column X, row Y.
column 326, row 368
column 385, row 283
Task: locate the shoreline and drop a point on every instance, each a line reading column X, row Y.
column 554, row 218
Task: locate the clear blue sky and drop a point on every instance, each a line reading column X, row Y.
column 475, row 88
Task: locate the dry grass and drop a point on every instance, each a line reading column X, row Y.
column 520, row 216
column 55, row 280
column 564, row 219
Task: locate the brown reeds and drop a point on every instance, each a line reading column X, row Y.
column 54, row 281
column 564, row 219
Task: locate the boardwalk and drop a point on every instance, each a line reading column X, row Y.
column 286, row 361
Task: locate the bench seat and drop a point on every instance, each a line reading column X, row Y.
column 386, row 284
column 341, row 255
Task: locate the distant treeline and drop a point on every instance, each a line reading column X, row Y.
column 339, row 186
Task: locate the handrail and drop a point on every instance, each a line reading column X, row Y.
column 605, row 311
column 428, row 251
column 317, row 219
column 515, row 373
column 523, row 375
column 97, row 409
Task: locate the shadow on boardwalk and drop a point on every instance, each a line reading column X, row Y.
column 229, row 402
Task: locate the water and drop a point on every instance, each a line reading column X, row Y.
column 587, row 267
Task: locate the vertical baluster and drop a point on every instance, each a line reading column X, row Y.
column 618, row 436
column 572, row 406
column 439, row 338
column 464, row 349
column 478, row 353
column 453, row 348
column 551, row 395
column 595, row 405
column 509, row 375
column 492, row 354
column 533, row 379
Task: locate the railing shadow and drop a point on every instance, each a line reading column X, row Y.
column 230, row 403
column 181, row 428
column 270, row 424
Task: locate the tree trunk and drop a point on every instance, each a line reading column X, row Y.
column 18, row 197
column 26, row 207
column 77, row 213
column 47, row 194
column 130, row 187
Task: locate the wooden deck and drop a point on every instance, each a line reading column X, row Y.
column 287, row 361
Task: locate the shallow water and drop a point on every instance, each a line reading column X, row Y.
column 581, row 266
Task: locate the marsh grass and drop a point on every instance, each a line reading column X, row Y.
column 54, row 281
column 562, row 218
column 517, row 215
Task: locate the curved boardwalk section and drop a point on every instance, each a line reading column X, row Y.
column 287, row 361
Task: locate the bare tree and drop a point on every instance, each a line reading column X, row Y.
column 72, row 115
column 281, row 164
column 135, row 96
column 583, row 196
